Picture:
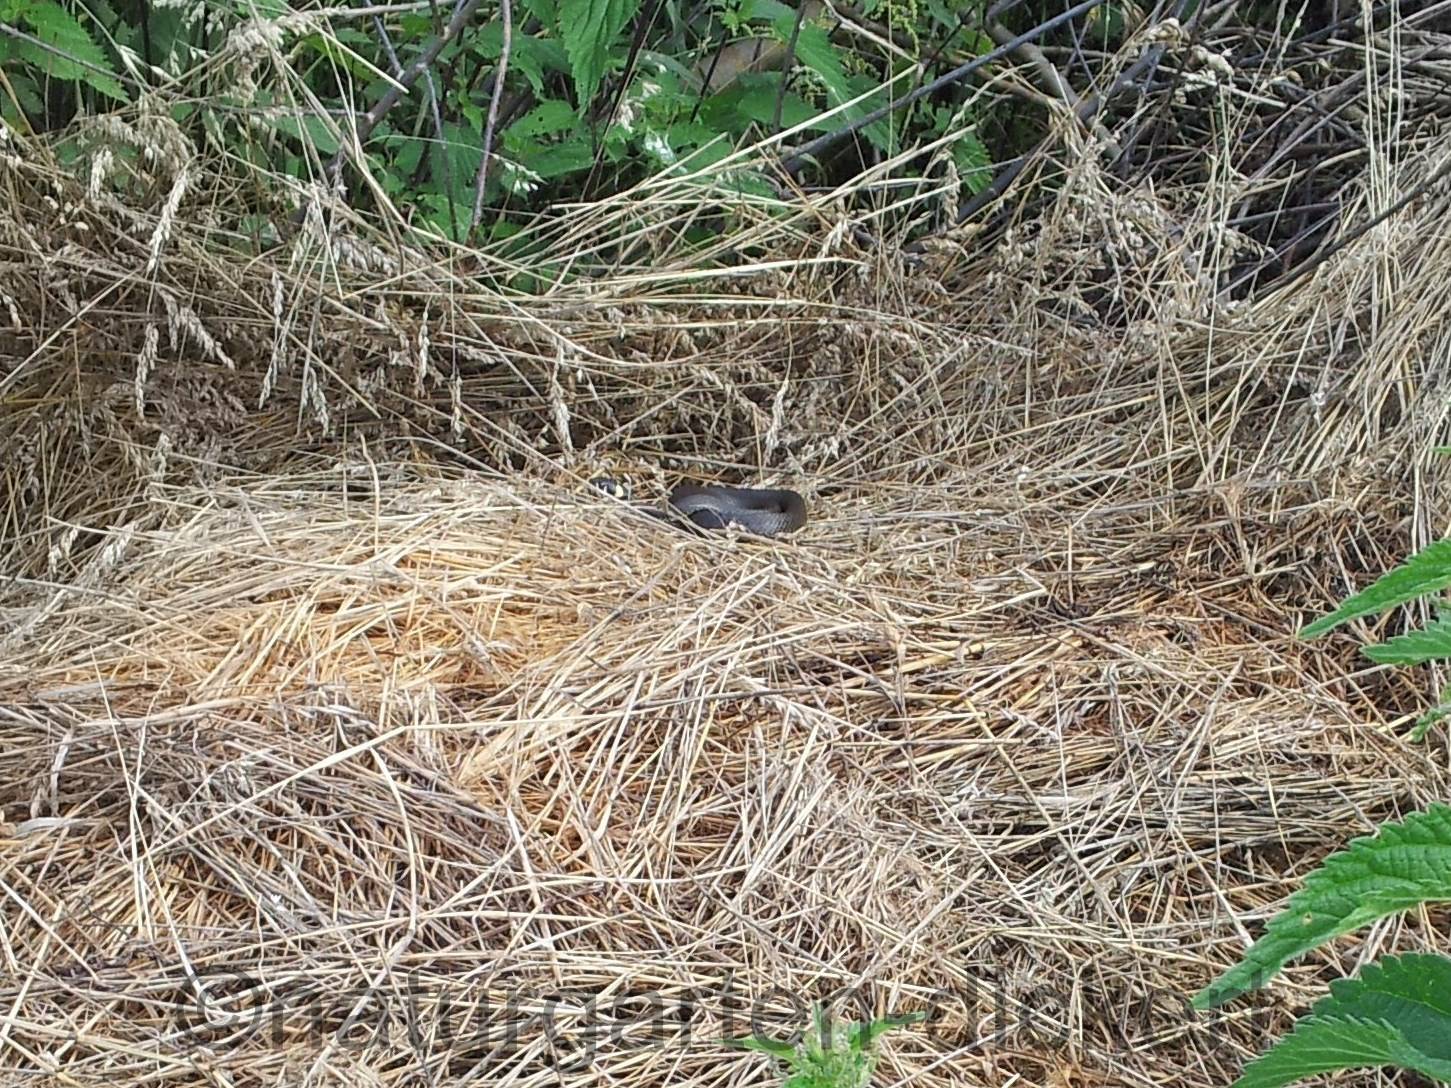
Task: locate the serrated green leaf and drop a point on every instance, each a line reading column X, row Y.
column 455, row 160
column 27, row 92
column 1402, row 865
column 974, row 166
column 1425, row 572
column 530, row 55
column 1431, row 643
column 1398, row 1012
column 815, row 50
column 407, row 152
column 588, row 28
column 77, row 55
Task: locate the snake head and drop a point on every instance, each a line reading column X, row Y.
column 610, row 487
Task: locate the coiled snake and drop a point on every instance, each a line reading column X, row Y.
column 763, row 511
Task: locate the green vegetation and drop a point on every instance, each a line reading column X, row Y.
column 833, row 1055
column 596, row 96
column 1399, row 1011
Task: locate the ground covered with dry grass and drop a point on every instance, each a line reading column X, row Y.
column 347, row 737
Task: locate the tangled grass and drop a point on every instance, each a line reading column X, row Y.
column 346, row 737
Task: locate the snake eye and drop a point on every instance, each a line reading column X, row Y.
column 610, row 487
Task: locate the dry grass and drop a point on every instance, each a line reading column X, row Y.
column 420, row 769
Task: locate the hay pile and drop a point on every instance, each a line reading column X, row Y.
column 352, row 740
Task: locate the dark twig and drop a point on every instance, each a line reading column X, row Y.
column 1051, row 78
column 1088, row 109
column 404, row 83
column 1306, row 267
column 643, row 24
column 387, row 40
column 786, row 68
column 506, row 13
column 813, row 148
column 30, row 39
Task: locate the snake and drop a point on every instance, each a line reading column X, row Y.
column 762, row 511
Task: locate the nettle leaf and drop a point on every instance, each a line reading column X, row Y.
column 814, row 49
column 546, row 11
column 551, row 116
column 766, row 10
column 758, row 103
column 1425, row 572
column 1401, row 866
column 404, row 152
column 688, row 134
column 309, row 128
column 1398, row 1012
column 1414, row 647
column 588, row 28
column 533, row 57
column 454, row 160
column 549, row 161
column 57, row 27
column 27, row 91
column 974, row 164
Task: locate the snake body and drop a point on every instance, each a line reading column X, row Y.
column 763, row 511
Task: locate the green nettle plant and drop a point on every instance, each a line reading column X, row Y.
column 49, row 43
column 594, row 96
column 834, row 1056
column 1398, row 1011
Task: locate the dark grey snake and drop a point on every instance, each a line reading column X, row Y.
column 763, row 511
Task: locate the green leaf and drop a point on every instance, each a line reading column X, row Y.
column 555, row 160
column 530, row 55
column 1433, row 715
column 687, row 135
column 407, row 152
column 973, row 162
column 814, row 49
column 772, row 11
column 1402, row 865
column 777, row 1049
column 545, row 11
column 1414, row 647
column 1397, row 1013
column 1425, row 572
column 455, row 159
column 863, row 1036
column 759, row 104
column 309, row 128
column 550, row 117
column 588, row 28
column 83, row 59
column 27, row 91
